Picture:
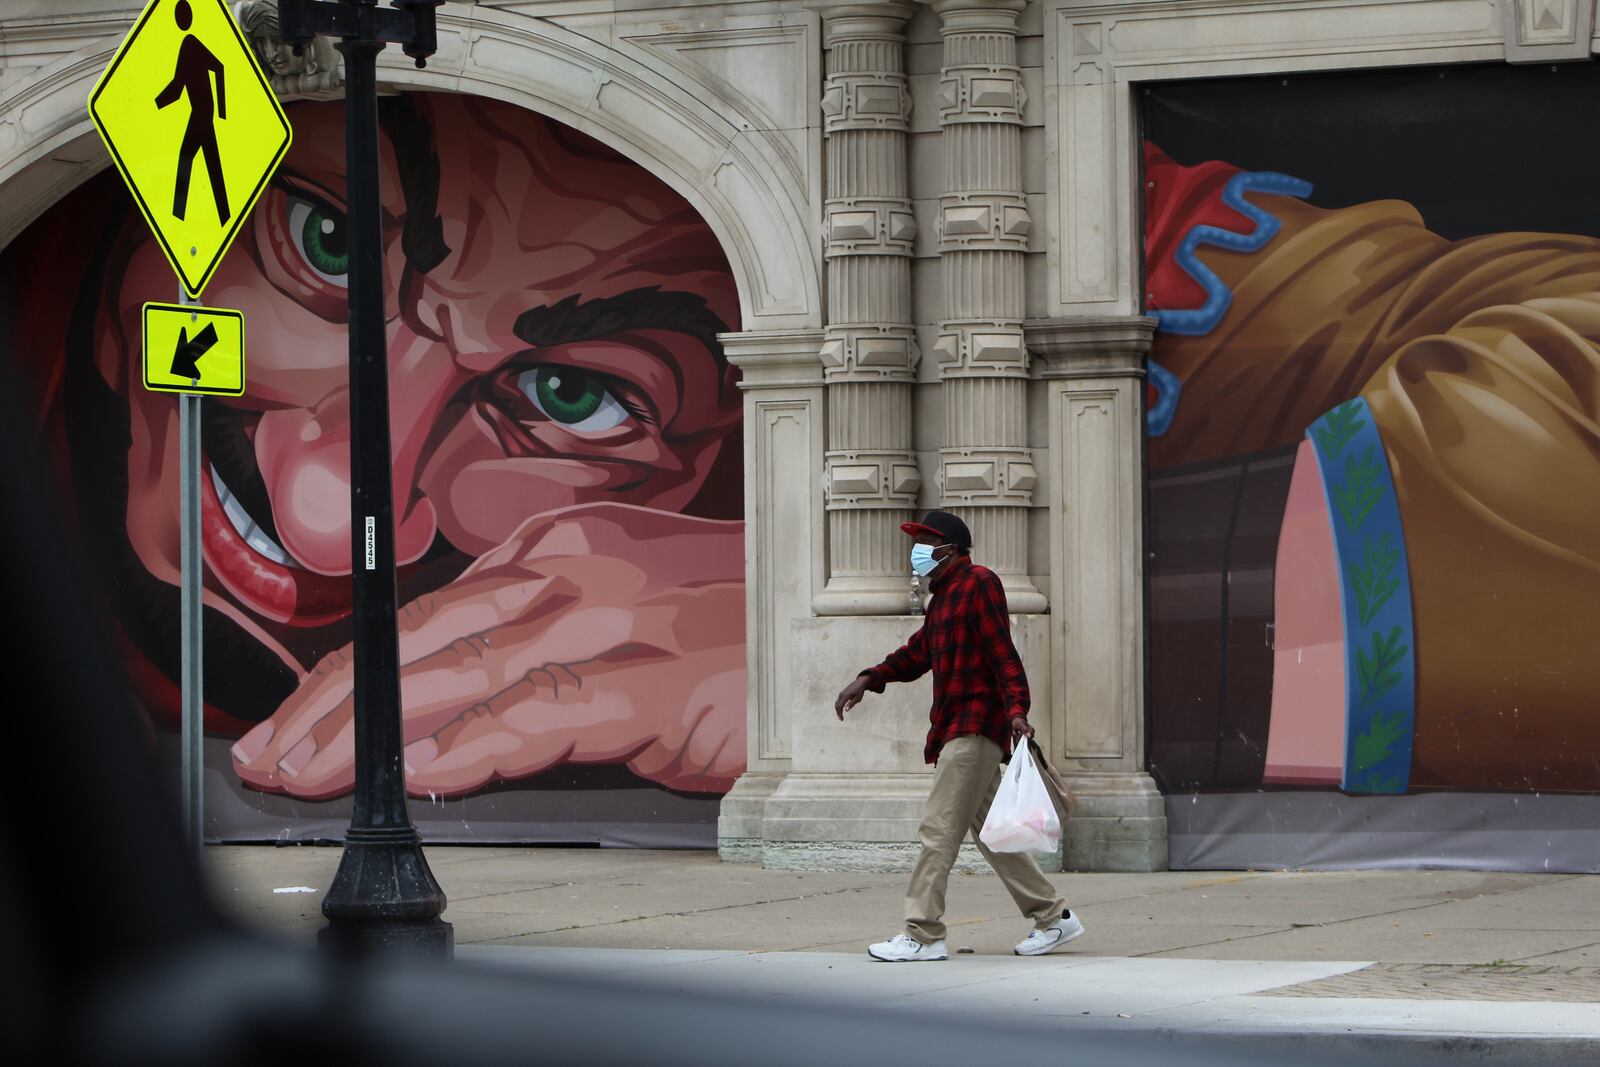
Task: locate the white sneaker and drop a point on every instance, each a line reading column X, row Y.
column 1052, row 937
column 903, row 948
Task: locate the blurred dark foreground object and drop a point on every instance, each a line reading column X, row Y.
column 114, row 955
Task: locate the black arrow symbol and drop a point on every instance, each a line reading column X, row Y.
column 190, row 350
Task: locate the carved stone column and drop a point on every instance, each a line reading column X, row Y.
column 1092, row 373
column 869, row 351
column 986, row 470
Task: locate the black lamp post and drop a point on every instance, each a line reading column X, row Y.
column 384, row 895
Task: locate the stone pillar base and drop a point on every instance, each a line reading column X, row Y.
column 739, row 818
column 853, row 796
column 836, row 822
column 1120, row 824
column 1021, row 596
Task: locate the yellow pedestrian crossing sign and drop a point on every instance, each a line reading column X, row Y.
column 190, row 121
column 193, row 349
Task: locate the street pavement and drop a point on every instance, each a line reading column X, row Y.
column 1498, row 968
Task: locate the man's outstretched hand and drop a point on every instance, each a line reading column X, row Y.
column 597, row 634
column 850, row 696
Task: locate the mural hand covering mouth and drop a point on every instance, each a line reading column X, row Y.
column 547, row 650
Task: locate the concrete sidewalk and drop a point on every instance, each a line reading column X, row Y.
column 1338, row 953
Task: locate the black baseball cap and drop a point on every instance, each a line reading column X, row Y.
column 942, row 525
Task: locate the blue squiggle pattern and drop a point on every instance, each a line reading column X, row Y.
column 1168, row 386
column 1204, row 319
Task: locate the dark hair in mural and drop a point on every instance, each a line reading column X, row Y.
column 412, row 138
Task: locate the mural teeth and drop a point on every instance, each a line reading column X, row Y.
column 252, row 534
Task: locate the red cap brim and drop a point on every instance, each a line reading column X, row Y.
column 916, row 529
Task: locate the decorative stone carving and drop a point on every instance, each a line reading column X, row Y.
column 867, row 226
column 861, row 478
column 986, row 475
column 982, row 94
column 867, row 353
column 866, row 102
column 317, row 71
column 1547, row 31
column 984, row 220
column 985, row 348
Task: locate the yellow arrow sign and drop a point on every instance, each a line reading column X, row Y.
column 193, row 126
column 192, row 349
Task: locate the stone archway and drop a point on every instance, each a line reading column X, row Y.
column 679, row 119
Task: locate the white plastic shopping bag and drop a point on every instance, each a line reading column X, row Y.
column 1023, row 817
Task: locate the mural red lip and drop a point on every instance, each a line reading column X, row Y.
column 265, row 586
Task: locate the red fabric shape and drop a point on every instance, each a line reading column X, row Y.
column 978, row 682
column 1176, row 200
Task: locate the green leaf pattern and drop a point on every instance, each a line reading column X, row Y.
column 1375, row 673
column 1374, row 744
column 1339, row 426
column 1362, row 489
column 1372, row 577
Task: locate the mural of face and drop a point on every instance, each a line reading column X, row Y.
column 561, row 420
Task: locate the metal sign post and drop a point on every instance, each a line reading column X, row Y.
column 195, row 130
column 193, row 728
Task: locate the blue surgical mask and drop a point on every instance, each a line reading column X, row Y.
column 922, row 561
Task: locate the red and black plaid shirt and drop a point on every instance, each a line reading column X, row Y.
column 978, row 682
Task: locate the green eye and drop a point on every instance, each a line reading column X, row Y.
column 573, row 398
column 567, row 396
column 321, row 237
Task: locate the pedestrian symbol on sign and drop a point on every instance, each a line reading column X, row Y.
column 190, row 121
column 196, row 66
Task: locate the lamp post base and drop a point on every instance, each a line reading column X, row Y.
column 385, row 898
column 432, row 939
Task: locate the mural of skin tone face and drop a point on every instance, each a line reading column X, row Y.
column 561, row 415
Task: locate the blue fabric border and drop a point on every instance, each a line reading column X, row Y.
column 1375, row 593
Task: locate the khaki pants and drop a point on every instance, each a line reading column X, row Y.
column 964, row 784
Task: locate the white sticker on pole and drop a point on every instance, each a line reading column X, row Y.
column 372, row 543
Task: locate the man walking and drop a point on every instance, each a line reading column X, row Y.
column 980, row 705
